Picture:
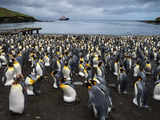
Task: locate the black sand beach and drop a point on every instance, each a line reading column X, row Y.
column 49, row 104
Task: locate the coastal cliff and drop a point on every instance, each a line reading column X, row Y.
column 8, row 16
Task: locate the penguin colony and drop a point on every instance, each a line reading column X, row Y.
column 27, row 60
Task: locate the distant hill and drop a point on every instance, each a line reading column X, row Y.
column 8, row 16
column 158, row 19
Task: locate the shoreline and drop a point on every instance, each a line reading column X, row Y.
column 112, row 35
column 150, row 22
column 81, row 34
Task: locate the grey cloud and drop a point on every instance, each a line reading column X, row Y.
column 84, row 8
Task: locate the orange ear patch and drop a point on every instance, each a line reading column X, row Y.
column 31, row 81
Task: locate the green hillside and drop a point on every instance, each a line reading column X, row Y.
column 8, row 16
column 158, row 19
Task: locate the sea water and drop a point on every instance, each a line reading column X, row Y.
column 111, row 27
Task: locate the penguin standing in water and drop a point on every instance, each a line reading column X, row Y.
column 69, row 93
column 141, row 94
column 99, row 99
column 16, row 96
column 156, row 91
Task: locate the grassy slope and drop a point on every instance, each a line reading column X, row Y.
column 8, row 16
column 158, row 19
column 8, row 13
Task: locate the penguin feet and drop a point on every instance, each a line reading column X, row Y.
column 125, row 92
column 145, row 106
column 77, row 101
column 30, row 90
column 156, row 97
column 15, row 113
column 55, row 85
column 115, row 73
column 69, row 103
column 135, row 102
column 95, row 111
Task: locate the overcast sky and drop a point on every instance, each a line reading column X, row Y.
column 87, row 9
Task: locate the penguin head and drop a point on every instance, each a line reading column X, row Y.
column 89, row 84
column 139, row 78
column 10, row 63
column 88, row 66
column 18, row 78
column 66, row 63
column 100, row 63
column 121, row 69
column 11, row 60
column 81, row 61
column 147, row 62
column 93, row 82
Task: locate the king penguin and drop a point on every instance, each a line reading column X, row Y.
column 99, row 100
column 136, row 70
column 29, row 82
column 116, row 68
column 156, row 91
column 16, row 97
column 69, row 93
column 10, row 74
column 140, row 90
column 122, row 81
column 17, row 67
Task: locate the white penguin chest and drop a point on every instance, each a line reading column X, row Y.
column 10, row 73
column 16, row 99
column 69, row 94
column 39, row 70
column 17, row 68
